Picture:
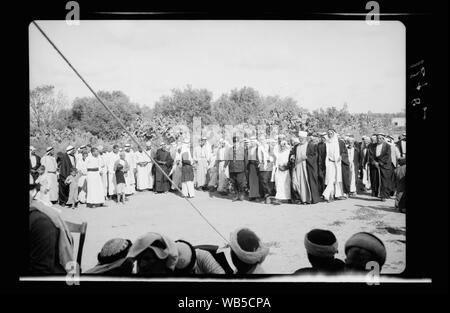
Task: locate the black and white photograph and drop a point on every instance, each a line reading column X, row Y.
column 225, row 150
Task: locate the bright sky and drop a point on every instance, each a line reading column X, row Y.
column 318, row 63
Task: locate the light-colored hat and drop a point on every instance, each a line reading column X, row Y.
column 148, row 143
column 169, row 253
column 186, row 141
column 204, row 138
column 302, row 134
column 69, row 148
column 49, row 149
column 245, row 235
column 127, row 145
column 368, row 242
column 32, row 148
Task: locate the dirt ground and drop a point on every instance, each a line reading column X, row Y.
column 283, row 227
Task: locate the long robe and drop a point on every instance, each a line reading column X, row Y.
column 213, row 173
column 64, row 168
column 95, row 190
column 112, row 158
column 202, row 156
column 150, row 165
column 104, row 172
column 253, row 172
column 142, row 176
column 305, row 172
column 130, row 178
column 282, row 177
column 333, row 172
column 365, row 166
column 321, row 168
column 345, row 166
column 187, row 174
column 176, row 171
column 382, row 183
column 222, row 171
column 50, row 169
column 352, row 152
column 165, row 162
column 44, row 191
column 35, row 162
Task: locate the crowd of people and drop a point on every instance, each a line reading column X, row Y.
column 304, row 169
column 154, row 254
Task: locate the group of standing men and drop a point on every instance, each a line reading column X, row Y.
column 306, row 169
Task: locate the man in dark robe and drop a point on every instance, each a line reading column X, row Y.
column 309, row 192
column 65, row 161
column 165, row 162
column 321, row 157
column 401, row 145
column 35, row 163
column 345, row 166
column 382, row 168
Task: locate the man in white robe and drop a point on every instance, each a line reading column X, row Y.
column 81, row 166
column 49, row 161
column 112, row 158
column 130, row 178
column 351, row 156
column 333, row 172
column 281, row 175
column 103, row 170
column 142, row 164
column 95, row 191
column 300, row 183
column 202, row 157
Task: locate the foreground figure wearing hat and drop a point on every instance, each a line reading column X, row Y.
column 321, row 247
column 111, row 258
column 362, row 248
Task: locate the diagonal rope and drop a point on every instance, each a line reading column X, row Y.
column 126, row 130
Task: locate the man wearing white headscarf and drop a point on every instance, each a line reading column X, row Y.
column 142, row 177
column 202, row 157
column 282, row 177
column 303, row 163
column 49, row 161
column 333, row 170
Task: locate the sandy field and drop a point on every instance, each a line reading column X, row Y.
column 282, row 227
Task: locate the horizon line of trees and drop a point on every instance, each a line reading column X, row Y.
column 54, row 122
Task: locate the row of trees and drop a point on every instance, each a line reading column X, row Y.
column 53, row 122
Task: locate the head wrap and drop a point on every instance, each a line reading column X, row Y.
column 69, row 148
column 186, row 255
column 368, row 242
column 32, row 148
column 321, row 243
column 249, row 257
column 112, row 255
column 170, row 253
column 49, row 149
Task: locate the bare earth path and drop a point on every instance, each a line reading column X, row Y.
column 283, row 227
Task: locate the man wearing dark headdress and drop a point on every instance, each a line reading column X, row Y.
column 382, row 168
column 66, row 161
column 165, row 162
